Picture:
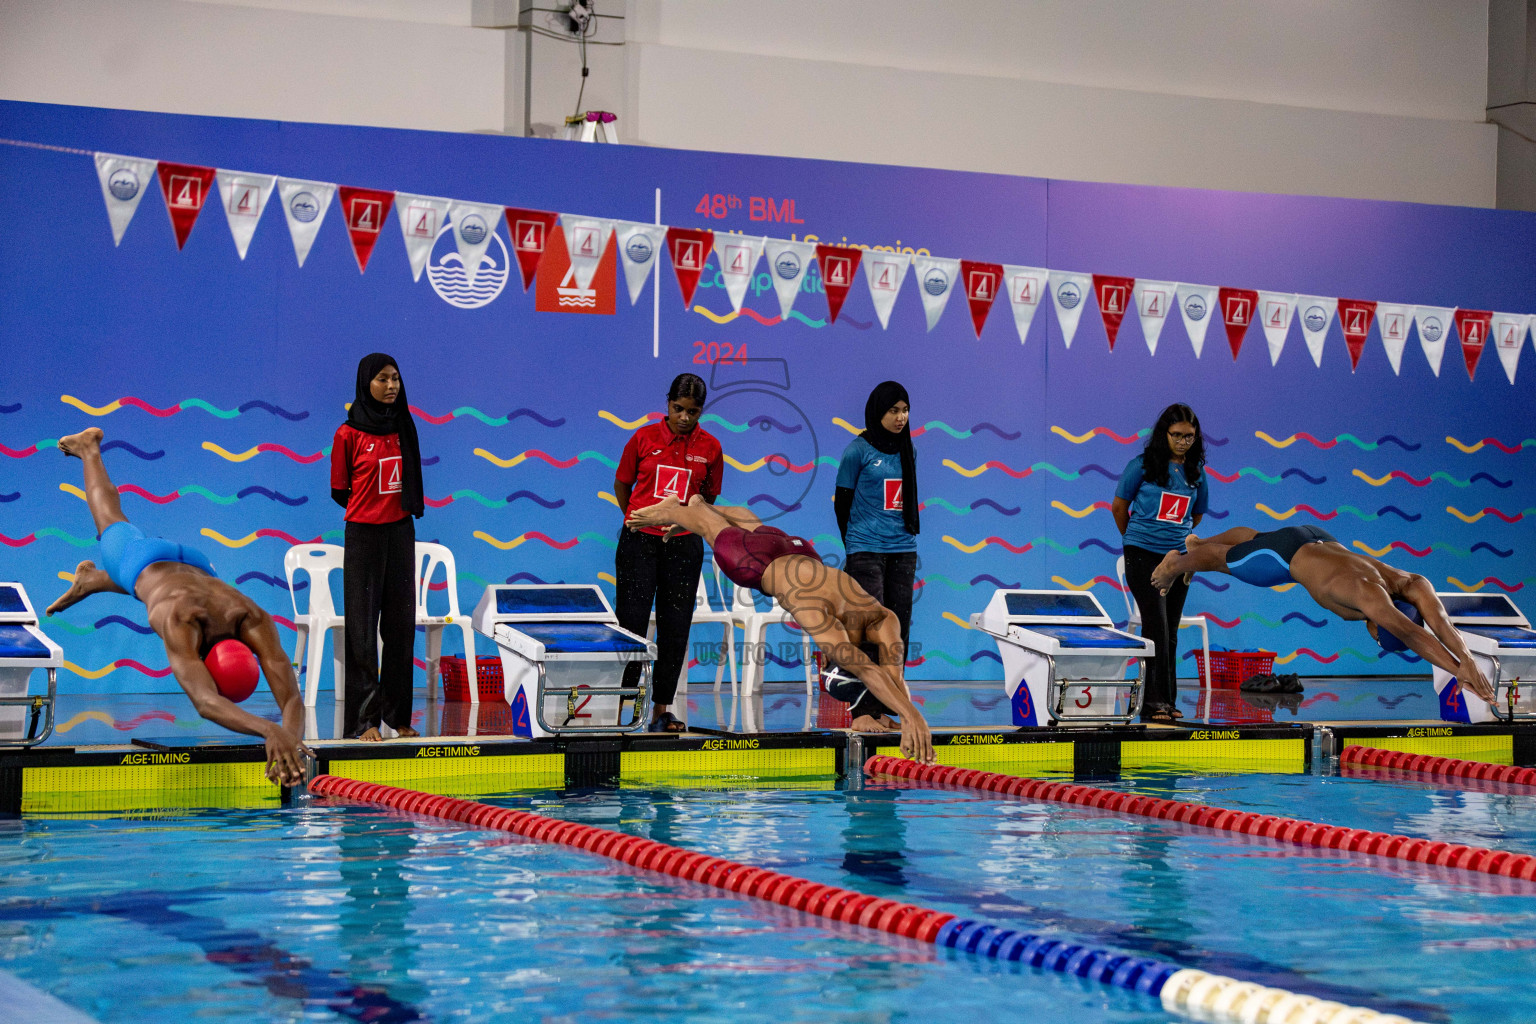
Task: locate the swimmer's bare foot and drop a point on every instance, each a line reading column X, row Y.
column 868, row 723
column 1190, row 543
column 88, row 580
column 1163, row 575
column 80, row 445
column 405, row 732
column 372, row 735
column 654, row 515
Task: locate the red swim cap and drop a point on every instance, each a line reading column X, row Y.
column 234, row 669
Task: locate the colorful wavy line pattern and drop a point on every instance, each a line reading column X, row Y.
column 1508, row 449
column 1007, row 510
column 6, row 409
column 773, row 321
column 472, row 495
column 957, row 434
column 1368, row 446
column 1082, row 512
column 1472, row 517
column 1019, row 474
column 1385, row 510
column 200, row 491
column 251, row 453
column 128, row 401
column 1140, row 435
column 1266, row 477
column 254, row 536
column 47, row 531
column 1467, row 588
column 126, row 725
column 558, row 545
column 1443, row 477
column 971, row 549
column 534, row 453
column 110, row 667
column 780, row 461
column 490, row 421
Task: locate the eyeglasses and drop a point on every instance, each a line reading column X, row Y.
column 1181, row 437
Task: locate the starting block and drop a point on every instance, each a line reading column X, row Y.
column 1504, row 646
column 23, row 648
column 1063, row 658
column 563, row 657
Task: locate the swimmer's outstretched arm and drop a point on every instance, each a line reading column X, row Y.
column 1440, row 644
column 887, row 686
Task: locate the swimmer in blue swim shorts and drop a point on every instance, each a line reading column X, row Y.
column 191, row 610
column 1351, row 585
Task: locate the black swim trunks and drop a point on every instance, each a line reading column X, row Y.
column 1265, row 561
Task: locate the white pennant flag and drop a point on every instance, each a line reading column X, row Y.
column 1393, row 323
column 587, row 239
column 1316, row 313
column 738, row 256
column 1508, row 332
column 1070, row 294
column 245, row 197
column 638, row 245
column 1154, row 301
column 421, row 218
column 123, row 181
column 1276, row 310
column 1195, row 304
column 473, row 226
column 884, row 272
column 787, row 264
column 1434, row 323
column 1026, row 287
column 304, row 206
column 936, row 279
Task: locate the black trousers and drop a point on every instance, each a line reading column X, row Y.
column 650, row 572
column 379, row 584
column 1162, row 685
column 888, row 578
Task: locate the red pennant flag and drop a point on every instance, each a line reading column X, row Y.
column 185, row 188
column 1355, row 318
column 981, row 281
column 689, row 248
column 529, row 231
column 1237, row 306
column 364, row 210
column 1473, row 325
column 838, row 265
column 1114, row 294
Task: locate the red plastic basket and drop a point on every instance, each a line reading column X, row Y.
column 1230, row 668
column 456, row 678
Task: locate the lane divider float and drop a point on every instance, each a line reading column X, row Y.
column 1192, row 993
column 1450, row 767
column 1286, row 830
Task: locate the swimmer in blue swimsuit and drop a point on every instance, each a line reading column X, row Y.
column 191, row 610
column 1351, row 585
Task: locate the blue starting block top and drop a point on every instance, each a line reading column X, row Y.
column 1088, row 636
column 1504, row 636
column 1055, row 605
column 11, row 600
column 549, row 601
column 1479, row 606
column 578, row 637
column 20, row 642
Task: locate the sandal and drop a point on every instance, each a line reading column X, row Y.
column 667, row 722
column 1159, row 714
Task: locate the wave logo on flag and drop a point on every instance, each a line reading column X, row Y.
column 638, row 245
column 1237, row 309
column 1473, row 326
column 1195, row 302
column 304, row 206
column 1068, row 292
column 558, row 291
column 1434, row 323
column 122, row 186
column 787, row 264
column 445, row 271
column 935, row 280
column 1316, row 313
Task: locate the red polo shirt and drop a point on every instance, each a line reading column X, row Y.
column 369, row 465
column 657, row 463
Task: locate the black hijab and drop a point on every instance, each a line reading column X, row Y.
column 886, row 394
column 372, row 416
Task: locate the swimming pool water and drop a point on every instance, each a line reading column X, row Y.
column 325, row 913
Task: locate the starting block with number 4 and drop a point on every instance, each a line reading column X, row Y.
column 1504, row 647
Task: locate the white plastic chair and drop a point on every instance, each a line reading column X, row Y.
column 754, row 624
column 1133, row 620
column 317, row 561
column 428, row 558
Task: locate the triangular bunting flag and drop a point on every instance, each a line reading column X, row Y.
column 1473, row 325
column 304, row 206
column 884, row 272
column 1237, row 311
column 1509, row 336
column 838, row 264
column 421, row 219
column 1275, row 312
column 738, row 256
column 1114, row 295
column 473, row 226
column 1355, row 318
column 787, row 264
column 1434, row 323
column 936, row 278
column 365, row 210
column 586, row 238
column 1317, row 313
column 1026, row 287
column 1392, row 321
column 529, row 231
column 638, row 244
column 1154, row 301
column 689, row 248
column 245, row 197
column 1195, row 304
column 1068, row 292
column 981, row 281
column 185, row 188
column 123, row 179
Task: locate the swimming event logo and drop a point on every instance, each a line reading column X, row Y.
column 1194, row 308
column 1316, row 318
column 304, row 207
column 473, row 229
column 1432, row 329
column 936, row 282
column 1069, row 295
column 123, row 184
column 787, row 265
column 639, row 250
column 446, row 269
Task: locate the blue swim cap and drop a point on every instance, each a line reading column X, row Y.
column 1389, row 641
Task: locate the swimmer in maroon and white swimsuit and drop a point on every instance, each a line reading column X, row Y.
column 825, row 602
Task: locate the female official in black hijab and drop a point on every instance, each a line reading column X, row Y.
column 376, row 477
column 877, row 501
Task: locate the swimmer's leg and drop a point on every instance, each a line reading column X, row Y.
column 1236, row 535
column 88, row 580
column 100, row 494
column 1209, row 556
